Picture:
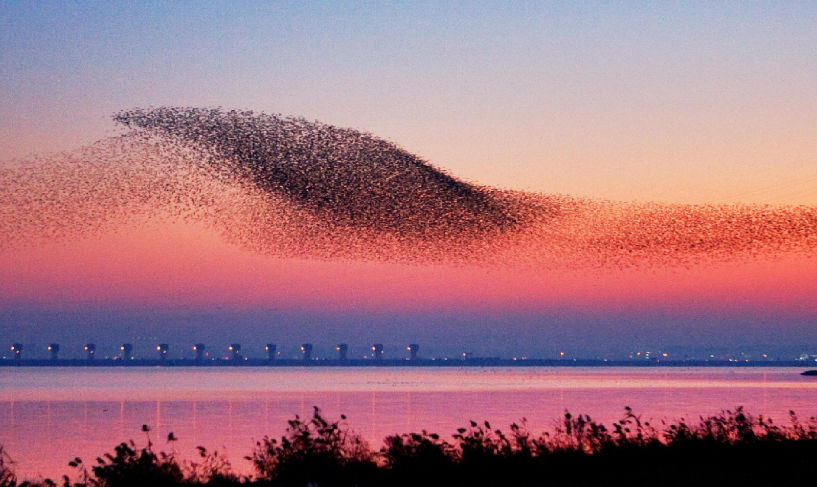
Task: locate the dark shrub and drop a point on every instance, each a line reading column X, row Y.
column 129, row 467
column 314, row 451
column 213, row 470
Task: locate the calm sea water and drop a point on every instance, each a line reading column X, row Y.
column 49, row 416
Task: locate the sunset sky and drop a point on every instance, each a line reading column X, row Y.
column 677, row 102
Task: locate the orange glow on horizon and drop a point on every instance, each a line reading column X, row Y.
column 180, row 265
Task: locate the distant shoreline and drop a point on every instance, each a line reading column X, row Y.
column 471, row 362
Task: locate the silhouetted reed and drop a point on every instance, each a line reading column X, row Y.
column 730, row 448
column 314, row 451
column 7, row 477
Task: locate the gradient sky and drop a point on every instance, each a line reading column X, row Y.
column 674, row 102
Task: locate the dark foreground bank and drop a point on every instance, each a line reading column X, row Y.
column 732, row 448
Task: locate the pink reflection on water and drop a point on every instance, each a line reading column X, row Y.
column 50, row 416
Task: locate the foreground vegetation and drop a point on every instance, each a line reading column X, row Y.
column 731, row 448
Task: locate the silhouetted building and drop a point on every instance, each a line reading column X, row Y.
column 17, row 350
column 199, row 349
column 306, row 349
column 127, row 351
column 377, row 348
column 271, row 349
column 235, row 348
column 342, row 349
column 412, row 350
column 163, row 348
column 91, row 349
column 54, row 348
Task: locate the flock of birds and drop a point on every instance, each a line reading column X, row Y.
column 288, row 187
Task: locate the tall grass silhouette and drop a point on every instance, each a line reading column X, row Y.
column 729, row 448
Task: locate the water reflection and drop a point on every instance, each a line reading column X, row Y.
column 48, row 416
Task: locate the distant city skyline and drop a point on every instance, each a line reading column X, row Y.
column 289, row 354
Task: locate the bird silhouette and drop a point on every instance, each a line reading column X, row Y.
column 288, row 187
